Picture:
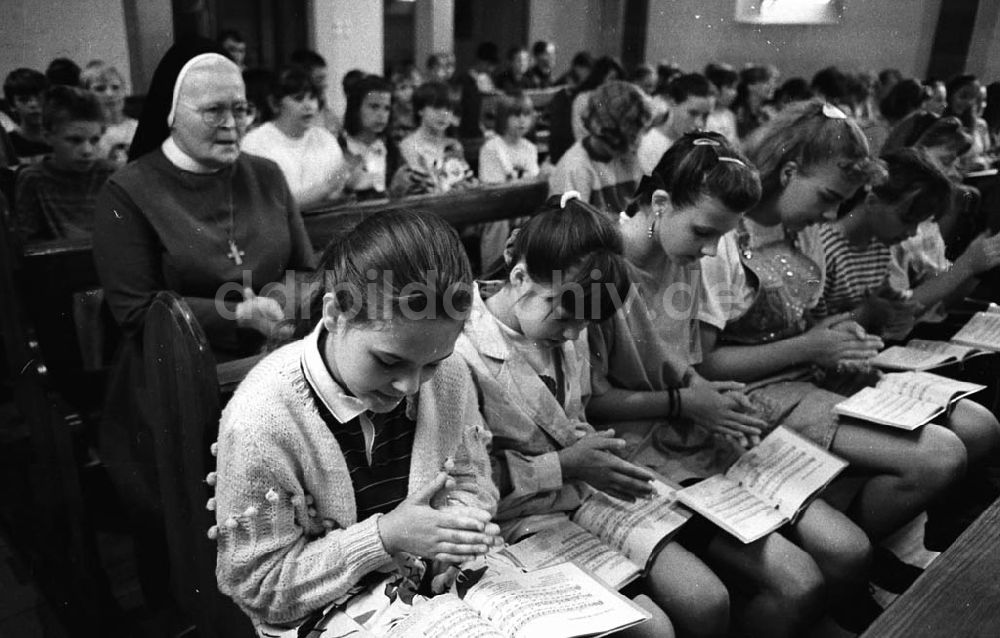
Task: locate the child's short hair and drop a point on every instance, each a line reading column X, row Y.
column 809, row 134
column 356, row 96
column 832, row 84
column 437, row 95
column 406, row 74
column 689, row 85
column 702, row 164
column 913, row 175
column 510, row 105
column 959, row 82
column 616, row 113
column 905, row 97
column 351, row 78
column 755, row 74
column 582, row 59
column 439, row 59
column 721, row 75
column 24, row 83
column 540, row 47
column 391, row 263
column 63, row 71
column 307, row 59
column 570, row 240
column 642, row 72
column 930, row 131
column 96, row 72
column 293, row 81
column 793, row 90
column 64, row 104
column 230, row 34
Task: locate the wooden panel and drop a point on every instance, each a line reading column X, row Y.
column 488, row 203
column 958, row 595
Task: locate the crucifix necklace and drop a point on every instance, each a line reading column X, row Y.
column 234, row 251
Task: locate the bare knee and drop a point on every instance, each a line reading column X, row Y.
column 938, row 461
column 801, row 589
column 658, row 625
column 706, row 610
column 691, row 594
column 846, row 556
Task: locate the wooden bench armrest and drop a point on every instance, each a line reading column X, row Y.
column 232, row 372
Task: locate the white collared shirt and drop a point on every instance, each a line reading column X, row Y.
column 341, row 405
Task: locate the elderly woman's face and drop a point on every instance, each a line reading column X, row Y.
column 211, row 93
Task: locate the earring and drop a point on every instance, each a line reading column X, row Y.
column 652, row 225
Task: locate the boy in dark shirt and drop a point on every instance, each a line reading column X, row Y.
column 24, row 90
column 55, row 198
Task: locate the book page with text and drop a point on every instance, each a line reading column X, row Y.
column 982, row 331
column 732, row 508
column 561, row 601
column 944, row 347
column 888, row 408
column 444, row 616
column 635, row 529
column 929, row 387
column 568, row 542
column 785, row 469
column 906, row 358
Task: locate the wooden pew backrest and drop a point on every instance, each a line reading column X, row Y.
column 183, row 393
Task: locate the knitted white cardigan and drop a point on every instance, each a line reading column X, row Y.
column 289, row 541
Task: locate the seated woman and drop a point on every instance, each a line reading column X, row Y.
column 359, row 450
column 371, row 156
column 308, row 154
column 433, row 162
column 195, row 216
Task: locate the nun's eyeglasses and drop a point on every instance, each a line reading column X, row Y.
column 218, row 114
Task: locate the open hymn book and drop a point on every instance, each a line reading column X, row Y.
column 767, row 487
column 923, row 354
column 497, row 601
column 612, row 540
column 980, row 335
column 981, row 331
column 906, row 400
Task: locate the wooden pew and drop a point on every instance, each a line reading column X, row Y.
column 462, row 208
column 56, row 391
column 43, row 499
column 958, row 595
column 53, row 272
column 183, row 389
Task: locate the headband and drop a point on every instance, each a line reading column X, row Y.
column 187, row 68
column 707, row 141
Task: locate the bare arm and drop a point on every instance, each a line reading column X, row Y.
column 832, row 342
column 750, row 363
column 982, row 255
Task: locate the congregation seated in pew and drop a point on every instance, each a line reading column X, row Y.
column 197, row 212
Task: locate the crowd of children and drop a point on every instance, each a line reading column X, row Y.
column 720, row 255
